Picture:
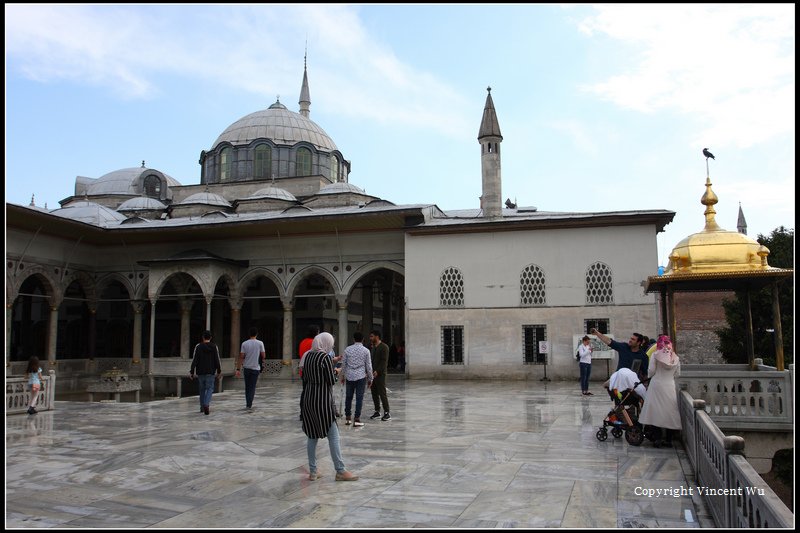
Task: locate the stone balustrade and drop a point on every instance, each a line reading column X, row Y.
column 18, row 398
column 736, row 495
column 738, row 398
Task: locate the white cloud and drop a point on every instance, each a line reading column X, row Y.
column 730, row 66
column 581, row 136
column 253, row 48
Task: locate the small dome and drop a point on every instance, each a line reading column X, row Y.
column 125, row 181
column 141, row 203
column 272, row 193
column 339, row 188
column 90, row 213
column 206, row 198
column 279, row 125
column 715, row 249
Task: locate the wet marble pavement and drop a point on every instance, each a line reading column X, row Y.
column 463, row 454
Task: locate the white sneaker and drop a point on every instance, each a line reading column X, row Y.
column 358, row 424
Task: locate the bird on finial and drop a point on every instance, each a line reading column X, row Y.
column 142, row 163
column 489, row 89
column 707, row 153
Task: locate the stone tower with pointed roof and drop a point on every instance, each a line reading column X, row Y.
column 741, row 223
column 305, row 95
column 490, row 138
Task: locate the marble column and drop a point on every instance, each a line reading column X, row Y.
column 92, row 331
column 344, row 339
column 9, row 320
column 185, row 306
column 151, row 351
column 236, row 325
column 208, row 312
column 288, row 348
column 138, row 308
column 52, row 336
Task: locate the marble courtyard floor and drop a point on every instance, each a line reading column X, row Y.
column 455, row 454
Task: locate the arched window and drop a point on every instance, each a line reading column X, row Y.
column 451, row 288
column 599, row 284
column 152, row 186
column 531, row 286
column 334, row 168
column 225, row 164
column 303, row 163
column 262, row 161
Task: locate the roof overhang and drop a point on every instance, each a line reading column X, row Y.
column 717, row 281
column 542, row 220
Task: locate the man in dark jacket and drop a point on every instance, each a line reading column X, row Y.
column 205, row 365
column 380, row 363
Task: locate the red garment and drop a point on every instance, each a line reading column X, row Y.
column 305, row 345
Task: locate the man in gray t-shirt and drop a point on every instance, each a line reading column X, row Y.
column 251, row 354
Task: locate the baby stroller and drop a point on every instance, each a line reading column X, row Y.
column 624, row 417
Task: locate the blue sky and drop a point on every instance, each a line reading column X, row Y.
column 602, row 108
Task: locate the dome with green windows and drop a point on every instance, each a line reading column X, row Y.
column 274, row 143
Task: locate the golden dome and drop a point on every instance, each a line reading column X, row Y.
column 715, row 249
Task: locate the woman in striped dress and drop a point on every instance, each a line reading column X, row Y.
column 318, row 408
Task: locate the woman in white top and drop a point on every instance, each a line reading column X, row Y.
column 585, row 358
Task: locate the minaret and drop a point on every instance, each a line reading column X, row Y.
column 741, row 225
column 305, row 96
column 490, row 138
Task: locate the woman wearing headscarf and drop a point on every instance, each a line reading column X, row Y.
column 318, row 409
column 661, row 407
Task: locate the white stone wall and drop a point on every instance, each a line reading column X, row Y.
column 492, row 317
column 493, row 340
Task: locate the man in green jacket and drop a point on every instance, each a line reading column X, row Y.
column 380, row 362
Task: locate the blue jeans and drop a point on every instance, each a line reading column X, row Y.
column 586, row 371
column 357, row 387
column 250, row 380
column 333, row 444
column 206, row 382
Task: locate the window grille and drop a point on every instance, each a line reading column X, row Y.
column 452, row 345
column 531, row 286
column 599, row 286
column 531, row 335
column 451, row 288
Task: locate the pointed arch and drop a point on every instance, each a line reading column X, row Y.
column 250, row 275
column 48, row 281
column 363, row 270
column 87, row 283
column 105, row 281
column 307, row 271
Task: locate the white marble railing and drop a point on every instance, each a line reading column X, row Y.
column 18, row 398
column 738, row 398
column 733, row 490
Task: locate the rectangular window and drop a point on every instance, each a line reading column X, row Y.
column 452, row 345
column 601, row 324
column 531, row 335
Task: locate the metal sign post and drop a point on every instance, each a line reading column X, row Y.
column 544, row 348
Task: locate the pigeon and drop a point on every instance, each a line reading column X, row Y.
column 707, row 153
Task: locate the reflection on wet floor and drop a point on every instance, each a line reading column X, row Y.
column 455, row 454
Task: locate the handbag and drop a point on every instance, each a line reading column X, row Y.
column 578, row 355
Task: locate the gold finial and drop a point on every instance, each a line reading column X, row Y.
column 708, row 200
